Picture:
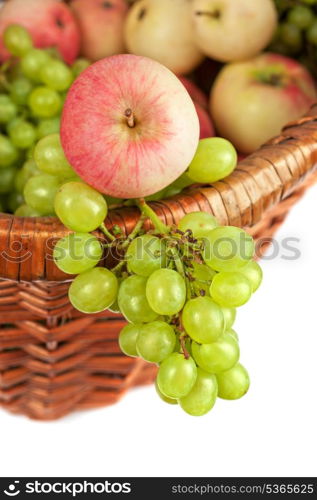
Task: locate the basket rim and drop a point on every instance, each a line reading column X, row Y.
column 310, row 117
column 254, row 193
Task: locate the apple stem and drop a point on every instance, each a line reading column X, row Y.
column 130, row 117
column 148, row 212
column 216, row 14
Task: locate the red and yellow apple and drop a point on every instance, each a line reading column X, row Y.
column 163, row 30
column 50, row 23
column 252, row 100
column 232, row 30
column 129, row 127
column 195, row 92
column 101, row 25
column 206, row 126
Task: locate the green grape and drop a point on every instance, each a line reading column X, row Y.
column 17, row 40
column 22, row 134
column 311, row 33
column 253, row 272
column 80, row 207
column 203, row 273
column 291, row 35
column 301, row 16
column 8, row 152
column 234, row 383
column 164, row 398
column 214, row 160
column 30, row 152
column 79, row 66
column 156, row 341
column 33, row 62
column 48, row 126
column 56, row 75
column 146, row 254
column 202, row 397
column 111, row 201
column 170, row 191
column 44, row 102
column 203, row 320
column 40, row 192
column 166, row 292
column 176, row 376
column 50, row 157
column 218, row 356
column 77, row 252
column 15, row 200
column 93, row 291
column 8, row 109
column 233, row 333
column 203, row 276
column 26, row 211
column 28, row 170
column 231, row 289
column 183, row 181
column 229, row 315
column 114, row 308
column 160, row 195
column 228, row 248
column 133, row 302
column 200, row 224
column 20, row 89
column 7, row 179
column 127, row 340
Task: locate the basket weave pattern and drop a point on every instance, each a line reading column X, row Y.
column 54, row 360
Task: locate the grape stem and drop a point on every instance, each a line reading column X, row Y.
column 118, row 267
column 135, row 232
column 106, row 232
column 183, row 346
column 149, row 213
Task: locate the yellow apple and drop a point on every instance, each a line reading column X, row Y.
column 232, row 30
column 163, row 30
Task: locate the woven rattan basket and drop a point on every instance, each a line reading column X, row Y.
column 53, row 359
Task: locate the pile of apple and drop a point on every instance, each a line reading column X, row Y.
column 252, row 96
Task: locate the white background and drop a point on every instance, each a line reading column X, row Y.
column 270, row 432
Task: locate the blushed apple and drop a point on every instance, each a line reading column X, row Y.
column 50, row 23
column 163, row 30
column 195, row 93
column 232, row 30
column 251, row 101
column 101, row 25
column 129, row 128
column 206, row 126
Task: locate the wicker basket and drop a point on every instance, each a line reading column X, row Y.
column 53, row 359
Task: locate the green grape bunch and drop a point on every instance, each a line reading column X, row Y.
column 178, row 287
column 33, row 86
column 296, row 35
